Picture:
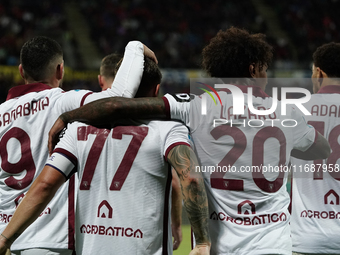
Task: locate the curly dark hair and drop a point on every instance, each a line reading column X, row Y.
column 36, row 54
column 327, row 58
column 230, row 53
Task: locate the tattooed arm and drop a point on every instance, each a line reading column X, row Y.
column 184, row 160
column 100, row 112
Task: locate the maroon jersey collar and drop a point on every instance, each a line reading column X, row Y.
column 329, row 89
column 27, row 88
column 257, row 91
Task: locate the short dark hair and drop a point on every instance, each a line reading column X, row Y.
column 36, row 55
column 152, row 76
column 327, row 58
column 108, row 65
column 230, row 53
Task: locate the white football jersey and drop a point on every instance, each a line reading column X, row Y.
column 315, row 186
column 123, row 202
column 246, row 188
column 25, row 120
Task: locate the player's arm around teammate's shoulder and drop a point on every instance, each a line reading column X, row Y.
column 130, row 72
column 183, row 160
column 103, row 111
column 128, row 77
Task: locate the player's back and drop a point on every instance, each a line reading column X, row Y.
column 123, row 199
column 315, row 187
column 240, row 157
column 26, row 117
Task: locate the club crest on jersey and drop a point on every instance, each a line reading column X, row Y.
column 105, row 210
column 245, row 206
column 331, row 197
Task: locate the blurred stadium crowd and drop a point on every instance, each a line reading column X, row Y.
column 309, row 23
column 175, row 30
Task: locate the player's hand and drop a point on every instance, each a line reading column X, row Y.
column 150, row 54
column 177, row 235
column 201, row 249
column 53, row 135
column 4, row 250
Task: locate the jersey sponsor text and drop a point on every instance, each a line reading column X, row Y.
column 320, row 215
column 5, row 218
column 250, row 221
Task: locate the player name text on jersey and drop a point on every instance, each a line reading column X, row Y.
column 326, row 110
column 23, row 110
